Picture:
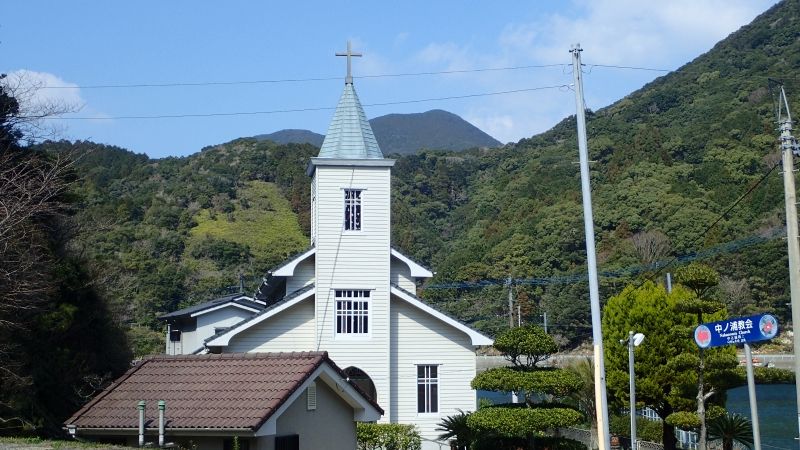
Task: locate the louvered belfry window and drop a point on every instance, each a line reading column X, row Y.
column 352, row 209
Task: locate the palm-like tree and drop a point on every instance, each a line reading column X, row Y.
column 455, row 427
column 584, row 397
column 730, row 428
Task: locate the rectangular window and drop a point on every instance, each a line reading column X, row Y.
column 174, row 335
column 352, row 311
column 427, row 389
column 352, row 209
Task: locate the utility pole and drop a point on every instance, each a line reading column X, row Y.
column 601, row 399
column 788, row 148
column 510, row 305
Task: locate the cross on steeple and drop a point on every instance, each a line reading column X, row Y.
column 349, row 54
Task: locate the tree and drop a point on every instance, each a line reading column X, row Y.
column 57, row 338
column 731, row 428
column 585, row 396
column 647, row 310
column 700, row 279
column 525, row 348
column 457, row 429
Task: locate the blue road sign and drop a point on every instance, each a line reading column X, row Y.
column 736, row 331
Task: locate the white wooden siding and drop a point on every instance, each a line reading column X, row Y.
column 289, row 330
column 313, row 211
column 419, row 338
column 303, row 275
column 401, row 276
column 221, row 318
column 205, row 325
column 188, row 344
column 355, row 260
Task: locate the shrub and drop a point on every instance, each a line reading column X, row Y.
column 387, row 436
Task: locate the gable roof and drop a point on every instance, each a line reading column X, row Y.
column 477, row 337
column 223, row 337
column 349, row 134
column 240, row 301
column 416, row 269
column 286, row 268
column 222, row 392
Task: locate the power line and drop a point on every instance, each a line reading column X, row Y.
column 612, row 66
column 291, row 110
column 713, row 224
column 727, row 247
column 297, row 80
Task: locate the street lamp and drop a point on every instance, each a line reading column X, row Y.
column 633, row 341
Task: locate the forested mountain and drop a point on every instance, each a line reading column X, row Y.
column 406, row 133
column 291, row 136
column 670, row 158
column 436, row 129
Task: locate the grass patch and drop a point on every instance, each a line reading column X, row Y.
column 262, row 220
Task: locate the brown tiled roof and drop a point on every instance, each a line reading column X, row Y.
column 228, row 391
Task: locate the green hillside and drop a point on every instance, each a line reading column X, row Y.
column 669, row 159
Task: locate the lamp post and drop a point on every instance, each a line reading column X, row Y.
column 633, row 341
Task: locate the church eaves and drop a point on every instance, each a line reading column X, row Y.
column 350, row 135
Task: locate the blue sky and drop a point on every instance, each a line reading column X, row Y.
column 70, row 46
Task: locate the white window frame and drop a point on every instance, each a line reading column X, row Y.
column 352, row 202
column 428, row 381
column 359, row 315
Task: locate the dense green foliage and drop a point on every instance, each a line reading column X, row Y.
column 666, row 364
column 521, row 421
column 387, row 436
column 548, row 381
column 669, row 159
column 59, row 343
column 646, row 430
column 165, row 234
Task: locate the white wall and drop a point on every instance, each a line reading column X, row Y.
column 427, row 340
column 401, row 276
column 220, row 318
column 355, row 260
column 289, row 330
column 303, row 275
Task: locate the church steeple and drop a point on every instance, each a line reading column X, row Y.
column 350, row 135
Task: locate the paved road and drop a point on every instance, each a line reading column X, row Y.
column 487, row 362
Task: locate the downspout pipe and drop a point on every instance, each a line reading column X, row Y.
column 141, row 422
column 162, row 406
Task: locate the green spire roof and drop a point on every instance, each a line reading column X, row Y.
column 349, row 135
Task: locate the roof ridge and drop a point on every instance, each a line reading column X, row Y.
column 242, row 355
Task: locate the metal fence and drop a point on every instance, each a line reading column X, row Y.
column 585, row 437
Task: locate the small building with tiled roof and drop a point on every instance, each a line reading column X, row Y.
column 263, row 400
column 352, row 294
column 188, row 328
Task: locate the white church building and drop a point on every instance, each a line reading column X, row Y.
column 351, row 293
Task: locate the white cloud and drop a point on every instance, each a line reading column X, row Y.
column 662, row 34
column 37, row 90
column 632, row 31
column 499, row 127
